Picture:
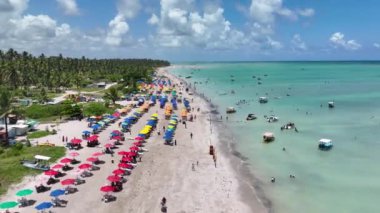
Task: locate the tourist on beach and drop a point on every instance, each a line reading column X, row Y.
column 193, row 167
column 63, row 138
column 273, row 180
column 175, row 142
column 67, row 139
column 191, row 135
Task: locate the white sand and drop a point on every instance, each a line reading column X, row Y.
column 165, row 171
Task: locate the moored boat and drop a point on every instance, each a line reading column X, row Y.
column 263, row 100
column 325, row 144
column 268, row 137
column 230, row 110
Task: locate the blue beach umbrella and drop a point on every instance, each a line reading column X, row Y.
column 57, row 192
column 86, row 132
column 44, row 205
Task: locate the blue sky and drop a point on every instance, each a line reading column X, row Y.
column 194, row 30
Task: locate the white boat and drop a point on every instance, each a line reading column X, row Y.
column 268, row 137
column 263, row 100
column 272, row 119
column 325, row 144
column 331, row 104
column 230, row 110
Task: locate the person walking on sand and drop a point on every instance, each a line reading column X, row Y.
column 191, row 135
column 175, row 142
column 63, row 138
column 67, row 139
column 193, row 167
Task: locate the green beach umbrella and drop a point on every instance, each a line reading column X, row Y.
column 24, row 192
column 8, row 205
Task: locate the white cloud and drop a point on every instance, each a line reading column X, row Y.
column 128, row 8
column 153, row 19
column 298, row 43
column 377, row 45
column 308, row 12
column 117, row 28
column 265, row 11
column 272, row 44
column 34, row 28
column 70, row 7
column 337, row 39
column 180, row 24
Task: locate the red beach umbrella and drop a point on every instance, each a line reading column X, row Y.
column 108, row 145
column 116, row 132
column 66, row 160
column 125, row 166
column 84, row 166
column 134, row 148
column 92, row 159
column 114, row 178
column 74, row 154
column 132, row 154
column 139, row 138
column 97, row 154
column 123, row 153
column 75, row 141
column 118, row 172
column 118, row 138
column 92, row 138
column 58, row 166
column 51, row 173
column 137, row 144
column 127, row 159
column 68, row 182
column 107, row 188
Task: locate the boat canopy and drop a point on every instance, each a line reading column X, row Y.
column 325, row 141
column 41, row 157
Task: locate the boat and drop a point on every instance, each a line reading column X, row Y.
column 272, row 119
column 37, row 163
column 251, row 117
column 188, row 77
column 331, row 104
column 263, row 100
column 268, row 137
column 289, row 125
column 230, row 110
column 325, row 144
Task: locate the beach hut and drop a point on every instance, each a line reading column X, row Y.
column 268, row 137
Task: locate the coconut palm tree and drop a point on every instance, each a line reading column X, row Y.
column 112, row 94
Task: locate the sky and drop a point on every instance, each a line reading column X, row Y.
column 194, row 30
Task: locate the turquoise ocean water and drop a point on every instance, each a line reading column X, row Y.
column 345, row 179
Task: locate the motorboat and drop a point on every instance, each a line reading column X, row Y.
column 37, row 163
column 325, row 144
column 268, row 137
column 287, row 126
column 272, row 119
column 230, row 110
column 331, row 104
column 251, row 117
column 263, row 100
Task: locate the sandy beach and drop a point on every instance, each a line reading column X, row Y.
column 165, row 171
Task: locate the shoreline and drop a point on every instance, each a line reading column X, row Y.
column 249, row 189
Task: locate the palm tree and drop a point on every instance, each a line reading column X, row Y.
column 5, row 102
column 112, row 94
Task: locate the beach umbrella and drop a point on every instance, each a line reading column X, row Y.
column 114, row 178
column 116, row 132
column 92, row 159
column 126, row 159
column 66, row 160
column 108, row 145
column 107, row 188
column 24, row 192
column 86, row 132
column 137, row 143
column 138, row 138
column 92, row 138
column 118, row 172
column 69, row 181
column 58, row 166
column 8, row 205
column 134, row 148
column 96, row 154
column 74, row 154
column 84, row 166
column 75, row 141
column 51, row 173
column 123, row 153
column 132, row 154
column 57, row 192
column 118, row 138
column 125, row 166
column 44, row 205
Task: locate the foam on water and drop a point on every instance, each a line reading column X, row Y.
column 344, row 179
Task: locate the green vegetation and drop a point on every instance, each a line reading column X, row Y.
column 112, row 94
column 20, row 71
column 38, row 134
column 95, row 109
column 11, row 171
column 66, row 108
